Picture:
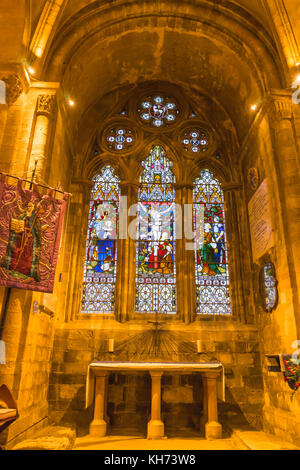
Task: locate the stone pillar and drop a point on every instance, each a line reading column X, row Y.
column 125, row 285
column 237, row 246
column 156, row 427
column 10, row 117
column 186, row 287
column 213, row 429
column 45, row 111
column 98, row 426
column 287, row 165
column 204, row 416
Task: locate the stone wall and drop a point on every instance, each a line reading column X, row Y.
column 28, row 338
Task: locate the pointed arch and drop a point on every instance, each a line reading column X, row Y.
column 156, row 235
column 100, row 269
column 211, row 257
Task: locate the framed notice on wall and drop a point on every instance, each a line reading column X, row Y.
column 260, row 219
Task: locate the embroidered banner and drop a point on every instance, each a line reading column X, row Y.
column 30, row 232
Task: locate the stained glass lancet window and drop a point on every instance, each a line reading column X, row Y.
column 212, row 272
column 155, row 257
column 101, row 245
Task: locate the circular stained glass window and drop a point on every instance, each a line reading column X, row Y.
column 158, row 110
column 119, row 138
column 195, row 140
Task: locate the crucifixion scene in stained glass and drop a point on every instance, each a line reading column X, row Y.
column 101, row 245
column 156, row 250
column 211, row 257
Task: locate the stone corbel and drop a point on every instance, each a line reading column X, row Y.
column 14, row 87
column 282, row 107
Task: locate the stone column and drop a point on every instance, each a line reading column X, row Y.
column 98, row 426
column 45, row 112
column 185, row 256
column 213, row 429
column 204, row 416
column 125, row 284
column 287, row 167
column 237, row 246
column 11, row 110
column 156, row 427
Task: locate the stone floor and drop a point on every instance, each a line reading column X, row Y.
column 139, row 443
column 240, row 439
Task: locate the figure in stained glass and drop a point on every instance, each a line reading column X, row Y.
column 156, row 269
column 101, row 251
column 212, row 273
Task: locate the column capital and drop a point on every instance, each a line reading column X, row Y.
column 46, row 105
column 213, row 374
column 281, row 106
column 156, row 373
column 101, row 373
column 14, row 86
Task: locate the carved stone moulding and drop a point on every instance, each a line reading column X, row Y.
column 46, row 104
column 14, row 87
column 282, row 107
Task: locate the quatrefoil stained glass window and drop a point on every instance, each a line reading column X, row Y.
column 158, row 110
column 195, row 140
column 119, row 138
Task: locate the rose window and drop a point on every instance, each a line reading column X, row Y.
column 158, row 111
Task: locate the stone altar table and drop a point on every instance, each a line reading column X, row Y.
column 97, row 387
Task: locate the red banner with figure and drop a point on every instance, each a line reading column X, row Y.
column 30, row 232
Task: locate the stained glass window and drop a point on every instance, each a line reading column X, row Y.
column 101, row 245
column 158, row 110
column 155, row 254
column 212, row 272
column 119, row 138
column 195, row 140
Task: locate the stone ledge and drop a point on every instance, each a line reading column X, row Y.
column 51, row 438
column 259, row 440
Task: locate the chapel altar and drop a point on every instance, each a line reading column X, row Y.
column 212, row 374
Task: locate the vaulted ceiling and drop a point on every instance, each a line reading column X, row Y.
column 223, row 54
